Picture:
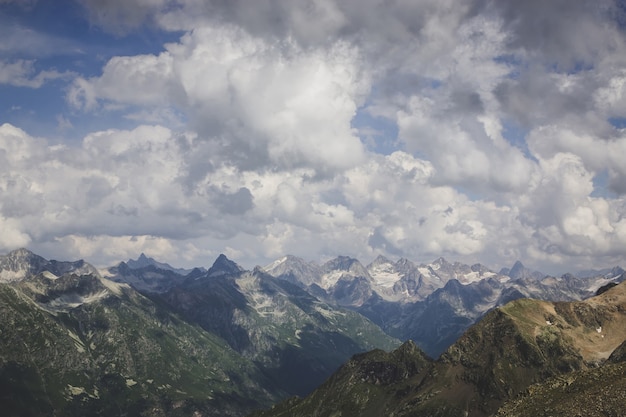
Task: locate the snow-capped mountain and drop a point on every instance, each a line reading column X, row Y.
column 434, row 303
column 294, row 269
column 346, row 281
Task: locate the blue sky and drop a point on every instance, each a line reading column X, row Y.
column 482, row 132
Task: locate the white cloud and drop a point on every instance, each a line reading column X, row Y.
column 258, row 104
column 22, row 73
column 597, row 153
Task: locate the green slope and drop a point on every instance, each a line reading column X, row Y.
column 78, row 345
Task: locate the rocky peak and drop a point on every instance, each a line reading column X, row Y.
column 519, row 271
column 144, row 261
column 19, row 264
column 441, row 261
column 346, row 263
column 141, row 262
column 479, row 268
column 380, row 260
column 223, row 266
column 294, row 269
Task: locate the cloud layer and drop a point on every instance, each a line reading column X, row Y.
column 255, row 133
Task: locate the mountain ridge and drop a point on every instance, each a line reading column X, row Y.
column 526, row 342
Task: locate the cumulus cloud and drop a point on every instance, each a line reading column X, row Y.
column 597, row 153
column 258, row 104
column 569, row 223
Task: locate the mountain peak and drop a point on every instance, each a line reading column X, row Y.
column 519, row 271
column 294, row 269
column 341, row 262
column 380, row 260
column 19, row 264
column 223, row 266
column 20, row 253
column 144, row 261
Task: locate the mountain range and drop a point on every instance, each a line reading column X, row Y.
column 431, row 304
column 222, row 341
column 528, row 358
column 145, row 338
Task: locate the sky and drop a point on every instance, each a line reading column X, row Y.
column 483, row 131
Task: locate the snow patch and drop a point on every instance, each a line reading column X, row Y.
column 331, row 278
column 49, row 275
column 384, row 278
column 72, row 300
column 275, row 264
column 80, row 346
column 115, row 287
column 12, row 276
column 74, row 391
column 474, row 276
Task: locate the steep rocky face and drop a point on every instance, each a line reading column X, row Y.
column 223, row 266
column 519, row 271
column 523, row 343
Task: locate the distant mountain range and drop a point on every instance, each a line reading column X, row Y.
column 143, row 337
column 431, row 304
